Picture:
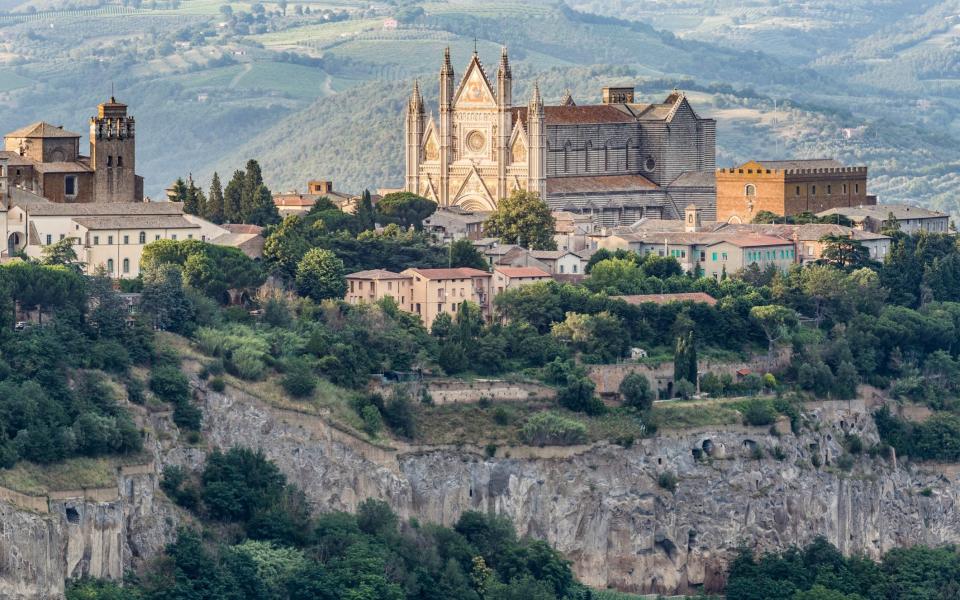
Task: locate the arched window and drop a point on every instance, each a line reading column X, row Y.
column 606, row 156
column 143, row 237
column 566, row 158
column 586, row 156
column 750, row 190
column 109, row 265
column 626, row 156
column 126, row 265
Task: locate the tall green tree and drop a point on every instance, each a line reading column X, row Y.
column 61, row 253
column 164, row 299
column 261, row 210
column 464, row 254
column 179, row 190
column 685, row 359
column 321, row 276
column 233, row 199
column 365, row 214
column 844, row 252
column 523, row 219
column 215, row 207
column 252, row 180
column 406, row 209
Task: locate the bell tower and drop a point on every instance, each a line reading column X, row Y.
column 113, row 154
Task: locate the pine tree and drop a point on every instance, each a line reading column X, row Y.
column 233, row 199
column 214, row 208
column 179, row 190
column 193, row 199
column 365, row 214
column 252, row 180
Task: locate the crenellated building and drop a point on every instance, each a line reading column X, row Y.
column 618, row 161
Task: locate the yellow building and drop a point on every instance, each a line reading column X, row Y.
column 436, row 291
column 371, row 286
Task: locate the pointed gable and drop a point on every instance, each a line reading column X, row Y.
column 431, row 143
column 474, row 185
column 475, row 90
column 518, row 144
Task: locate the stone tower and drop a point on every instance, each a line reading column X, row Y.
column 446, row 126
column 504, row 122
column 113, row 154
column 416, row 116
column 537, row 135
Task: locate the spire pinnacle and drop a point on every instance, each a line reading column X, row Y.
column 447, row 67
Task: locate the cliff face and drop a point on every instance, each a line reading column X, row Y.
column 82, row 536
column 600, row 505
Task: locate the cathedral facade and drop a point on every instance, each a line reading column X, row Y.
column 618, row 161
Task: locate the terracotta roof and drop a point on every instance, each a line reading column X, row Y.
column 377, row 274
column 135, row 222
column 804, row 163
column 599, row 183
column 459, row 273
column 62, row 167
column 14, row 159
column 549, row 254
column 522, row 272
column 595, row 113
column 41, row 208
column 42, row 129
column 294, row 200
column 242, row 228
column 666, row 298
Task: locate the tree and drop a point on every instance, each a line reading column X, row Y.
column 365, row 215
column 844, row 252
column 320, row 275
column 406, row 209
column 635, row 391
column 61, row 253
column 194, row 202
column 233, row 199
column 685, row 359
column 577, row 395
column 464, row 254
column 776, row 322
column 523, row 219
column 215, row 200
column 163, row 298
column 261, row 209
column 179, row 190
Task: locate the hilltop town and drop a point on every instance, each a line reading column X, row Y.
column 571, row 358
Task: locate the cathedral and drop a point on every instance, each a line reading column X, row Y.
column 618, row 161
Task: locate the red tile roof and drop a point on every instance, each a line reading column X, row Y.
column 522, row 272
column 242, row 228
column 667, row 298
column 459, row 273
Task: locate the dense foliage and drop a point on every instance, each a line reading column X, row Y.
column 819, row 572
column 281, row 553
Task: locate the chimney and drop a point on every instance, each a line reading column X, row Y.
column 618, row 95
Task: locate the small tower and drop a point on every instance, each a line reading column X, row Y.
column 414, row 136
column 446, row 126
column 504, row 122
column 113, row 154
column 693, row 221
column 537, row 136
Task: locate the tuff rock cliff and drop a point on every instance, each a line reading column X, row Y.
column 600, row 505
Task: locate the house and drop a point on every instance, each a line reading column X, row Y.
column 452, row 223
column 638, row 299
column 374, row 285
column 247, row 238
column 572, row 231
column 506, row 278
column 733, row 253
column 437, row 291
column 295, row 203
column 560, row 262
column 910, row 219
column 810, row 245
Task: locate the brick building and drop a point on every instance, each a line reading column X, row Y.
column 788, row 187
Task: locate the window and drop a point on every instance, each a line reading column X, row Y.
column 453, row 307
column 156, row 237
column 360, row 285
column 109, row 265
column 49, row 239
column 351, row 286
column 750, row 190
column 650, row 164
column 575, row 268
column 173, row 237
column 70, row 185
column 813, row 190
column 561, row 268
column 566, row 158
column 110, row 240
column 856, row 188
column 844, row 188
column 61, row 236
column 723, row 255
column 713, row 256
column 119, row 161
column 109, row 161
column 439, row 306
column 703, row 256
column 126, row 240
column 126, row 265
column 390, row 285
column 143, row 237
column 829, row 189
column 189, row 236
column 798, row 190
column 96, row 240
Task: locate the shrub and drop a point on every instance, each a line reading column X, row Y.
column 778, row 453
column 635, row 391
column 169, row 384
column 502, row 415
column 845, row 462
column 684, row 389
column 759, row 413
column 398, row 414
column 578, row 396
column 186, row 415
column 490, row 450
column 247, row 364
column 217, row 384
column 549, row 428
column 135, row 390
column 372, row 421
column 668, row 481
column 853, row 443
column 299, row 380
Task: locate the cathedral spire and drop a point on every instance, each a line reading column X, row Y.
column 567, row 99
column 536, row 102
column 416, row 100
column 504, row 69
column 447, row 67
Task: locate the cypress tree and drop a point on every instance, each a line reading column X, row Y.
column 179, row 190
column 233, row 199
column 252, row 180
column 214, row 208
column 365, row 215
